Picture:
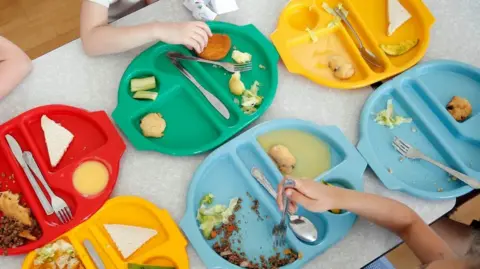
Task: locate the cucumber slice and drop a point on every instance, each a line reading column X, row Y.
column 145, row 95
column 143, row 84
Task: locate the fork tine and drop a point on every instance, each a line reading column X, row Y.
column 245, row 64
column 59, row 217
column 399, row 143
column 237, row 67
column 67, row 216
column 401, row 151
column 403, row 143
column 404, row 147
column 62, row 217
column 69, row 212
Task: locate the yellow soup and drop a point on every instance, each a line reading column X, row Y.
column 311, row 153
column 90, row 178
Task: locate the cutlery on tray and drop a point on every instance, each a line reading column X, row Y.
column 93, row 254
column 18, row 153
column 227, row 66
column 214, row 101
column 366, row 53
column 56, row 205
column 59, row 206
column 412, row 153
column 302, row 227
column 280, row 230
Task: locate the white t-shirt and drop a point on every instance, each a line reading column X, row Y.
column 120, row 8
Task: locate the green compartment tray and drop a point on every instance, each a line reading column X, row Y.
column 193, row 124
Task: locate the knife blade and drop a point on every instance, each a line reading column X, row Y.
column 214, row 101
column 93, row 254
column 18, row 153
column 141, row 266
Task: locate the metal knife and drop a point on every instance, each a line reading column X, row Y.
column 17, row 152
column 93, row 254
column 214, row 101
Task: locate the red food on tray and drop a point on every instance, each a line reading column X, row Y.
column 82, row 145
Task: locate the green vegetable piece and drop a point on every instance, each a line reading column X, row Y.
column 207, row 199
column 386, row 117
column 145, row 95
column 210, row 217
column 143, row 84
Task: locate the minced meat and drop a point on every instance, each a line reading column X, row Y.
column 10, row 230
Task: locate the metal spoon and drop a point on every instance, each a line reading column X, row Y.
column 366, row 54
column 302, row 227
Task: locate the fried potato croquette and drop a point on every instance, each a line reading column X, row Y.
column 283, row 158
column 459, row 108
column 153, row 125
column 217, row 48
column 10, row 206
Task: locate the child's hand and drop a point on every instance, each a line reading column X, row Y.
column 193, row 35
column 313, row 196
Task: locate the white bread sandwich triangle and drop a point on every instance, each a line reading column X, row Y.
column 397, row 16
column 57, row 138
column 129, row 238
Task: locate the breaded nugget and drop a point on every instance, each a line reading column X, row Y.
column 284, row 159
column 459, row 108
column 217, row 48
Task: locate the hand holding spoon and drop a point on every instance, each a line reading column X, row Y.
column 302, row 227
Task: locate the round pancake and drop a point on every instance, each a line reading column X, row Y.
column 217, row 48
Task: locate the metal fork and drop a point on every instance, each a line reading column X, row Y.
column 413, row 153
column 227, row 66
column 366, row 53
column 59, row 206
column 280, row 230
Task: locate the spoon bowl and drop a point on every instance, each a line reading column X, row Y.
column 302, row 227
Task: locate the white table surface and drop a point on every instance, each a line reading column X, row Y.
column 67, row 76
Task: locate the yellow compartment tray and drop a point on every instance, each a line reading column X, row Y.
column 167, row 248
column 369, row 18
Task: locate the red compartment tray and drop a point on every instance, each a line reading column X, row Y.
column 95, row 138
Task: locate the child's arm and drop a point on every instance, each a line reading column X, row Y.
column 392, row 215
column 14, row 66
column 98, row 37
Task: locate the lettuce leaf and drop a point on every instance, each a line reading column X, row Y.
column 387, row 118
column 210, row 217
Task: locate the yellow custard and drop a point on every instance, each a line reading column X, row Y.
column 90, row 178
column 311, row 153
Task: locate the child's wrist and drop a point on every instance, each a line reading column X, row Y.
column 157, row 31
column 342, row 198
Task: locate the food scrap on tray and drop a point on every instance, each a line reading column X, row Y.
column 341, row 67
column 312, row 35
column 129, row 239
column 284, row 159
column 153, row 125
column 400, row 48
column 57, row 138
column 217, row 48
column 250, row 99
column 236, row 85
column 141, row 88
column 210, row 216
column 58, row 255
column 17, row 226
column 459, row 108
column 219, row 223
column 336, row 20
column 387, row 118
column 241, row 57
